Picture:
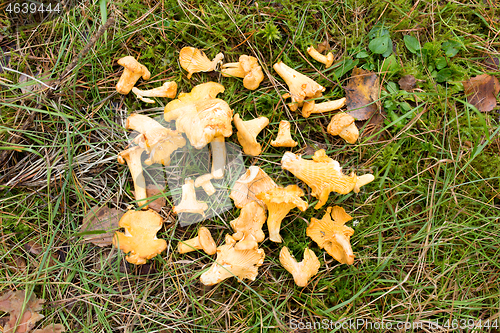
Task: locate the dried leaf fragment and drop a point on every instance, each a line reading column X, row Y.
column 481, row 91
column 56, row 328
column 12, row 302
column 407, row 82
column 362, row 94
column 100, row 219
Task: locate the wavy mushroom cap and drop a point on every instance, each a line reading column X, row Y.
column 139, row 240
column 343, row 125
column 302, row 271
column 284, row 138
column 248, row 226
column 251, row 183
column 194, row 60
column 247, row 68
column 247, row 133
column 333, row 235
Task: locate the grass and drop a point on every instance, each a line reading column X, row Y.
column 426, row 230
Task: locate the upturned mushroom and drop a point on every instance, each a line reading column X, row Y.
column 188, row 203
column 301, row 87
column 203, row 241
column 194, row 60
column 204, row 182
column 327, row 60
column 132, row 71
column 243, row 264
column 284, row 138
column 343, row 125
column 251, row 183
column 159, row 142
column 204, row 119
column 333, row 235
column 280, row 201
column 132, row 157
column 323, row 175
column 310, row 108
column 248, row 226
column 247, row 133
column 302, row 271
column 139, row 240
column 168, row 89
column 247, row 68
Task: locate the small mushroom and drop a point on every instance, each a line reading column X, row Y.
column 327, row 60
column 219, row 155
column 248, row 226
column 323, row 175
column 204, row 182
column 194, row 60
column 284, row 138
column 280, row 201
column 243, row 264
column 301, row 87
column 203, row 241
column 131, row 73
column 188, row 203
column 251, row 183
column 247, row 68
column 247, row 133
column 139, row 240
column 133, row 158
column 310, row 108
column 343, row 124
column 331, row 234
column 159, row 142
column 301, row 271
column 168, row 89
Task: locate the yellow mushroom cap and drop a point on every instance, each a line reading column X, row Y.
column 203, row 241
column 247, row 133
column 133, row 70
column 194, row 60
column 343, row 124
column 251, row 183
column 301, row 271
column 230, row 261
column 279, row 202
column 322, row 174
column 139, row 239
column 247, row 68
column 248, row 226
column 331, row 234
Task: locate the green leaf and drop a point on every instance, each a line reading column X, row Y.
column 379, row 45
column 362, row 54
column 378, row 30
column 444, row 75
column 390, row 65
column 450, row 48
column 388, row 52
column 412, row 44
column 392, row 87
column 441, row 63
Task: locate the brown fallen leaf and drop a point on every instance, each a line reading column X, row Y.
column 323, row 46
column 157, row 204
column 407, row 82
column 12, row 303
column 35, row 248
column 56, row 328
column 101, row 219
column 492, row 63
column 361, row 93
column 481, row 91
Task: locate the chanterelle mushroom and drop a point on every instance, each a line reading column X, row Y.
column 323, row 175
column 251, row 183
column 342, row 124
column 280, row 201
column 203, row 241
column 159, row 142
column 284, row 138
column 301, row 87
column 194, row 60
column 247, row 133
column 301, row 271
column 204, row 181
column 247, row 68
column 139, row 239
column 248, row 226
column 168, row 89
column 131, row 73
column 204, row 119
column 327, row 60
column 133, row 158
column 188, row 203
column 310, row 108
column 331, row 233
column 243, row 264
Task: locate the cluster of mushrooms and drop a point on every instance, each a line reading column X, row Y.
column 205, row 119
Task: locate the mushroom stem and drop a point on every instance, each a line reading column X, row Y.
column 346, row 246
column 189, row 245
column 218, row 157
column 205, row 183
column 275, row 216
column 362, row 181
column 327, row 60
column 133, row 158
column 233, row 69
column 188, row 203
column 168, row 89
column 311, row 107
